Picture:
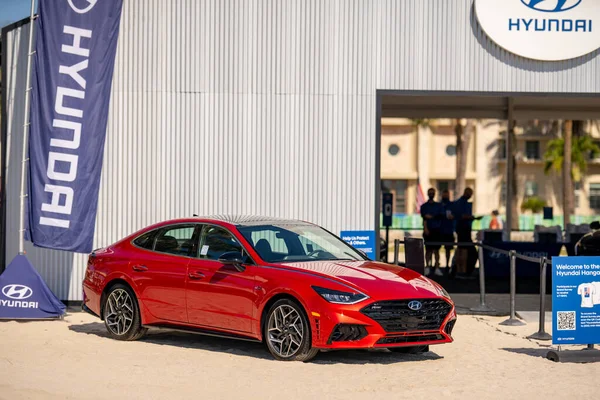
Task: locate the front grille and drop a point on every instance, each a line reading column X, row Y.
column 396, row 316
column 410, row 339
column 347, row 333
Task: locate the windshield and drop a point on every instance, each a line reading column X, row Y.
column 297, row 242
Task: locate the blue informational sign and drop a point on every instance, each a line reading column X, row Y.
column 576, row 300
column 361, row 240
column 76, row 44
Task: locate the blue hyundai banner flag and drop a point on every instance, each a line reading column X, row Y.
column 24, row 294
column 73, row 66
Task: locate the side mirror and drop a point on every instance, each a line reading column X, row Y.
column 595, row 225
column 234, row 258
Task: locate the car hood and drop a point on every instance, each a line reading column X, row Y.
column 375, row 279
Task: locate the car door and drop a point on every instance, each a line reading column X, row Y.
column 218, row 295
column 161, row 272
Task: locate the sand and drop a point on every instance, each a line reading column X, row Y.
column 73, row 359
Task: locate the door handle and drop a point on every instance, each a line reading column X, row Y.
column 140, row 268
column 196, row 275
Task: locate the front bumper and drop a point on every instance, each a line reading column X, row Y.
column 362, row 332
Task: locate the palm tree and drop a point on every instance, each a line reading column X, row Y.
column 463, row 140
column 581, row 146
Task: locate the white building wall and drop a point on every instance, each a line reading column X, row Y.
column 267, row 107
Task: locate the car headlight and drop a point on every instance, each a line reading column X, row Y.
column 337, row 297
column 443, row 292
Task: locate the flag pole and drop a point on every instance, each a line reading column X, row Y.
column 26, row 123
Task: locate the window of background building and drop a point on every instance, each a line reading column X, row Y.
column 502, row 149
column 446, row 185
column 595, row 196
column 451, row 150
column 532, row 149
column 398, row 188
column 531, row 189
column 394, row 149
column 597, row 155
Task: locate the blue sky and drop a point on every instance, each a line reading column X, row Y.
column 13, row 10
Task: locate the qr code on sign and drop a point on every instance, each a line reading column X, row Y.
column 566, row 320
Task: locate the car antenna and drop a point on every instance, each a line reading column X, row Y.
column 195, row 215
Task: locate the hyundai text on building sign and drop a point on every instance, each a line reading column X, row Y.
column 73, row 66
column 547, row 30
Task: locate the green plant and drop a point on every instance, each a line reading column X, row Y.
column 582, row 148
column 533, row 204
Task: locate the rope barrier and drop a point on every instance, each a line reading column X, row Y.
column 513, row 256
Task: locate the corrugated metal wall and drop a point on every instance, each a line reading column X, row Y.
column 267, row 107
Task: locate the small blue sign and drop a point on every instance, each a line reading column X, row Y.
column 576, row 300
column 361, row 240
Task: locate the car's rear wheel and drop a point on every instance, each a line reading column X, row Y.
column 122, row 314
column 287, row 332
column 409, row 349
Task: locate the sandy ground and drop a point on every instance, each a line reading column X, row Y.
column 73, row 359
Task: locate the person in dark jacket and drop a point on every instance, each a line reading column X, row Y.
column 447, row 226
column 432, row 213
column 463, row 214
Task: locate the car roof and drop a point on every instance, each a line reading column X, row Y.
column 252, row 220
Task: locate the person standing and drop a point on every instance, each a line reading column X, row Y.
column 431, row 212
column 447, row 226
column 463, row 213
column 496, row 221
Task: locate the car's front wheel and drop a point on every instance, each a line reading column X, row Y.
column 122, row 315
column 287, row 332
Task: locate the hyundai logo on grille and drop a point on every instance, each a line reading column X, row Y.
column 17, row 292
column 551, row 5
column 415, row 305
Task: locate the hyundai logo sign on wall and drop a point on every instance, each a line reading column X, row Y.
column 17, row 292
column 551, row 5
column 415, row 305
column 545, row 30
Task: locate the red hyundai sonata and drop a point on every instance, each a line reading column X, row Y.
column 290, row 284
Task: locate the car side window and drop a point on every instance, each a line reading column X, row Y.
column 146, row 241
column 179, row 240
column 216, row 241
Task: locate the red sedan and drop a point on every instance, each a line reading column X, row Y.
column 290, row 284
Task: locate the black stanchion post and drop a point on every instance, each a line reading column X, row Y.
column 513, row 320
column 387, row 242
column 482, row 307
column 396, row 250
column 541, row 334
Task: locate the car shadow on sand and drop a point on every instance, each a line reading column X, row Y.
column 254, row 349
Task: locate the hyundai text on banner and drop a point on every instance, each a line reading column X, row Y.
column 76, row 43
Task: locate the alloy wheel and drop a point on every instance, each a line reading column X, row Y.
column 285, row 331
column 119, row 312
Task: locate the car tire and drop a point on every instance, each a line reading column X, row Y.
column 409, row 349
column 287, row 332
column 121, row 314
